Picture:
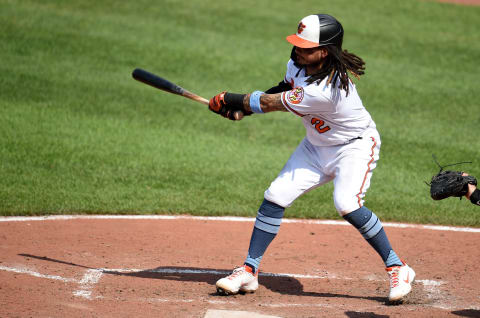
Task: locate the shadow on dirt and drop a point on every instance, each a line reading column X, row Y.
column 355, row 314
column 282, row 284
column 467, row 313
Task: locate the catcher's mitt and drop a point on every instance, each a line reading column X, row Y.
column 450, row 184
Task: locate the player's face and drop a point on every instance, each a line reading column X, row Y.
column 310, row 56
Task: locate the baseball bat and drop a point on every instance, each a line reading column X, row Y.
column 169, row 87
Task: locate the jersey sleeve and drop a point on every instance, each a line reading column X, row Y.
column 281, row 87
column 311, row 99
column 290, row 74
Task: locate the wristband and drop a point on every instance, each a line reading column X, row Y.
column 234, row 100
column 255, row 102
column 475, row 197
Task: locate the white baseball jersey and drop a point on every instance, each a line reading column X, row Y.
column 329, row 116
column 342, row 144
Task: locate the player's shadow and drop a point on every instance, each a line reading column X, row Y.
column 286, row 285
column 356, row 314
column 467, row 313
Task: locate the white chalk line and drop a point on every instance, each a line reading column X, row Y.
column 90, row 278
column 93, row 276
column 20, row 270
column 226, row 219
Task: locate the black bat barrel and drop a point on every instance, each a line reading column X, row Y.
column 156, row 81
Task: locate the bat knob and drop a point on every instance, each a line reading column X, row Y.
column 238, row 115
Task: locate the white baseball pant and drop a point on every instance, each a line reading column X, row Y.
column 350, row 167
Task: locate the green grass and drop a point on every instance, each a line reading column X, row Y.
column 79, row 135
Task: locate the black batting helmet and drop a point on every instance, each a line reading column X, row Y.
column 317, row 30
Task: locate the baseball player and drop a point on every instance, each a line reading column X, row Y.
column 341, row 145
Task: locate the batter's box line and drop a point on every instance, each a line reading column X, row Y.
column 25, row 270
column 86, row 284
column 93, row 276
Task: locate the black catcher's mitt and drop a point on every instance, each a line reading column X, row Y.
column 450, row 184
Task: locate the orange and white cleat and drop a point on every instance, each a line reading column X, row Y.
column 401, row 279
column 242, row 279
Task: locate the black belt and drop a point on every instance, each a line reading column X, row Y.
column 353, row 139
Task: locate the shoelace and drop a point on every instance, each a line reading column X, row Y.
column 394, row 277
column 236, row 272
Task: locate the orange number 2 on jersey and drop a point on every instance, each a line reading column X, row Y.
column 319, row 125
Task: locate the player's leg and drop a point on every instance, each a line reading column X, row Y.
column 267, row 225
column 353, row 174
column 299, row 175
column 245, row 278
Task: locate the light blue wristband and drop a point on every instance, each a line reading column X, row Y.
column 255, row 102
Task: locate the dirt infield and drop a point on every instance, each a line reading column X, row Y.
column 167, row 267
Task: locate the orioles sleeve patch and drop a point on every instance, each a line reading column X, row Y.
column 295, row 96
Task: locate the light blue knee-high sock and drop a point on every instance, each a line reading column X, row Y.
column 267, row 224
column 372, row 230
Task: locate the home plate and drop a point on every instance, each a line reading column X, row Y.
column 234, row 314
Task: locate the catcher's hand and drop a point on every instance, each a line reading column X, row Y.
column 450, row 184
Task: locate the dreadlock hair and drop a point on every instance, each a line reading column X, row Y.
column 336, row 66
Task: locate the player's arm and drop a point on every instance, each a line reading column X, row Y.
column 229, row 103
column 256, row 102
column 268, row 103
